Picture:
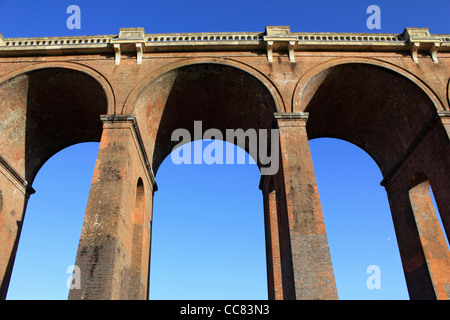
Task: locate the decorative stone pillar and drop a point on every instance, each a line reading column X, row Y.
column 307, row 272
column 114, row 249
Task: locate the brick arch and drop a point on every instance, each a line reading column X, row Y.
column 378, row 107
column 48, row 107
column 300, row 97
column 153, row 76
column 220, row 94
column 103, row 82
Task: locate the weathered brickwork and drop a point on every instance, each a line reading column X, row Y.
column 386, row 93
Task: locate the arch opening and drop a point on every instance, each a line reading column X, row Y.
column 381, row 110
column 217, row 97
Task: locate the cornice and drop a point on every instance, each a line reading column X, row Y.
column 273, row 39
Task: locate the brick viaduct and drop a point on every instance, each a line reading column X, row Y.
column 386, row 93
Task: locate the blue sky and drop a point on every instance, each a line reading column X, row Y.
column 210, row 243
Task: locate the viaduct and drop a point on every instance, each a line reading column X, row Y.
column 386, row 93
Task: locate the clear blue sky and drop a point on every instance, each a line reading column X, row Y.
column 210, row 243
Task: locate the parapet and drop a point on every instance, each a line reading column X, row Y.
column 274, row 38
